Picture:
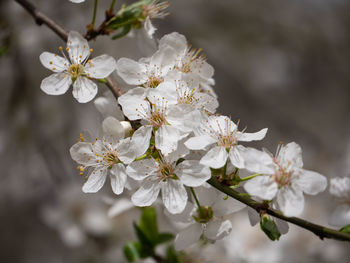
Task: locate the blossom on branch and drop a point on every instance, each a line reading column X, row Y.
column 340, row 189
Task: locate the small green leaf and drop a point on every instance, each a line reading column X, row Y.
column 269, row 227
column 172, row 256
column 345, row 229
column 132, row 251
column 164, row 237
column 147, row 243
column 125, row 30
column 148, row 224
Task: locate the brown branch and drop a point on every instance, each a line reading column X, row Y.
column 41, row 18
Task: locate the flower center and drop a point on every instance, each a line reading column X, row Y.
column 153, row 82
column 204, row 214
column 110, row 158
column 76, row 70
column 166, row 171
column 187, row 97
column 282, row 177
column 227, row 140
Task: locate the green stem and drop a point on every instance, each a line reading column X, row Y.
column 249, row 177
column 141, row 157
column 197, row 201
column 94, row 13
column 320, row 231
column 112, row 6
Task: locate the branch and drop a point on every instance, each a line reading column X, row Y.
column 321, row 231
column 41, row 18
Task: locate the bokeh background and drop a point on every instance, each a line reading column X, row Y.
column 278, row 64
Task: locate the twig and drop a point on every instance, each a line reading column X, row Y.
column 321, row 231
column 41, row 18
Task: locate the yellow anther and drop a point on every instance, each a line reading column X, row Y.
column 91, row 50
column 60, row 48
column 67, row 48
column 89, row 61
column 50, row 62
column 81, row 136
column 53, row 68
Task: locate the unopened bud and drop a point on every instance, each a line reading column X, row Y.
column 127, row 128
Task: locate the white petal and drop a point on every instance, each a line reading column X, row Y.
column 174, row 40
column 253, row 216
column 77, row 1
column 112, row 128
column 82, row 153
column 147, row 193
column 118, row 178
column 282, row 226
column 166, row 139
column 174, row 196
column 291, row 156
column 141, row 140
column 290, row 201
column 310, row 182
column 217, row 229
column 183, row 217
column 56, row 84
column 134, row 105
column 180, row 152
column 163, row 60
column 139, row 170
column 188, row 236
column 84, row 90
column 95, row 180
column 257, row 161
column 263, row 187
column 235, row 156
column 340, row 216
column 340, row 187
column 206, row 194
column 53, row 62
column 120, row 206
column 199, row 142
column 225, row 206
column 100, row 67
column 131, row 72
column 78, row 47
column 108, row 107
column 192, row 173
column 125, row 151
column 248, row 137
column 222, row 124
column 164, row 91
column 215, row 158
column 149, row 28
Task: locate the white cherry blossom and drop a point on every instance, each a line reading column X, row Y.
column 165, row 174
column 77, row 1
column 107, row 155
column 221, row 132
column 78, row 69
column 340, row 190
column 209, row 222
column 283, row 179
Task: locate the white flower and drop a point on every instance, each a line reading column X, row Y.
column 222, row 132
column 207, row 222
column 340, row 189
column 76, row 70
column 190, row 64
column 105, row 155
column 168, row 123
column 165, row 174
column 283, row 179
column 147, row 72
column 77, row 1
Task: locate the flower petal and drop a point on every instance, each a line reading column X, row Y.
column 147, row 193
column 125, row 151
column 112, row 128
column 291, row 156
column 235, row 156
column 118, row 178
column 108, row 107
column 188, row 236
column 141, row 140
column 132, row 72
column 100, row 67
column 82, row 153
column 174, row 196
column 166, row 139
column 310, row 182
column 253, row 216
column 282, row 226
column 199, row 142
column 215, row 158
column 175, row 40
column 290, row 201
column 248, row 137
column 217, row 229
column 84, row 90
column 340, row 216
column 56, row 84
column 192, row 173
column 96, row 180
column 263, row 187
column 53, row 62
column 163, row 61
column 149, row 28
column 257, row 161
column 139, row 170
column 78, row 47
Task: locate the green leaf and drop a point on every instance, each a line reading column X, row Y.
column 172, row 256
column 345, row 229
column 164, row 237
column 148, row 224
column 269, row 227
column 126, row 29
column 132, row 251
column 147, row 243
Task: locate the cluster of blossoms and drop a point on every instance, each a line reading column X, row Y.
column 177, row 141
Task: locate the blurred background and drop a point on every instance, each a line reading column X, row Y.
column 278, row 64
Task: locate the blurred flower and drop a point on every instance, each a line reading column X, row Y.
column 340, row 189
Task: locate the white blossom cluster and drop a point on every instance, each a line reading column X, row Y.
column 177, row 139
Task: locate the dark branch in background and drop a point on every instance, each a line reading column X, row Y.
column 41, row 18
column 320, row 231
